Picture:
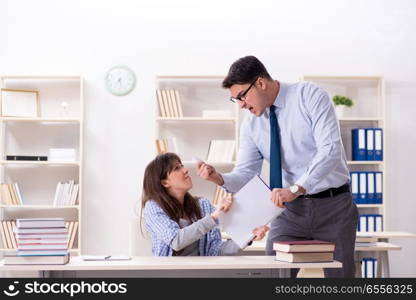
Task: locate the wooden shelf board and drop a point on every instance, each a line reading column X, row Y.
column 210, row 77
column 40, row 206
column 17, row 162
column 196, row 119
column 370, row 205
column 365, row 162
column 53, row 120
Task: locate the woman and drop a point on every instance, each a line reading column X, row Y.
column 178, row 223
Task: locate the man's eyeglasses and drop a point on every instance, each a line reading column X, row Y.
column 241, row 96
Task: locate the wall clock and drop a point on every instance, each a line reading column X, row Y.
column 120, row 80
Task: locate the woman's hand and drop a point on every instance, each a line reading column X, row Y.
column 223, row 205
column 260, row 232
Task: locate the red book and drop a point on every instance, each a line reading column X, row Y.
column 304, row 246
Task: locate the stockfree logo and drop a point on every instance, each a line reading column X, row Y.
column 12, row 290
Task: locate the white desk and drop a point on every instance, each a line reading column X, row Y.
column 149, row 266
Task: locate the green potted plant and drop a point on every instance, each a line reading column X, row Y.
column 340, row 103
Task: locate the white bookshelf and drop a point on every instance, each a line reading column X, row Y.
column 53, row 128
column 193, row 132
column 368, row 110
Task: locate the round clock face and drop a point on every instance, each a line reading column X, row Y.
column 120, row 80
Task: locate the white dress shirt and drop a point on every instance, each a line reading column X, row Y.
column 312, row 153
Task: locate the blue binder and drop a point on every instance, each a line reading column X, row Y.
column 358, row 144
column 371, row 191
column 362, row 223
column 369, row 267
column 369, row 142
column 354, row 186
column 379, row 187
column 378, row 144
column 378, row 223
column 371, row 223
column 362, row 190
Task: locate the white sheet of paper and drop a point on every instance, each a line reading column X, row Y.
column 251, row 208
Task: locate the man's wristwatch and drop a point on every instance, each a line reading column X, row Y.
column 295, row 190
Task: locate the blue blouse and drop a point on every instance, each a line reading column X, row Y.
column 163, row 229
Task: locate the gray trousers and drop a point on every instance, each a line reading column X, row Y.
column 332, row 219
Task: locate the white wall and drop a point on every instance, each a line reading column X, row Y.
column 204, row 37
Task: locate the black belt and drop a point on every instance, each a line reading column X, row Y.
column 329, row 192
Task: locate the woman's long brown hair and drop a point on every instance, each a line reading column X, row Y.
column 158, row 170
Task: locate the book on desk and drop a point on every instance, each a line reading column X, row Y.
column 304, row 251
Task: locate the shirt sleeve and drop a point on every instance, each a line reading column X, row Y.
column 249, row 162
column 159, row 222
column 193, row 232
column 326, row 132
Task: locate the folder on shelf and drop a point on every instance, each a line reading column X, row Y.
column 362, row 198
column 369, row 132
column 371, row 224
column 369, row 267
column 358, row 144
column 379, row 187
column 354, row 186
column 362, row 223
column 378, row 223
column 378, row 144
column 371, row 187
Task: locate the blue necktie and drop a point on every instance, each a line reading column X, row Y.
column 275, row 158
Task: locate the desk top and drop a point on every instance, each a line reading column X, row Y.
column 387, row 234
column 173, row 263
column 381, row 234
column 378, row 246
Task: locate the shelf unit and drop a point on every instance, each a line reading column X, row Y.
column 193, row 132
column 368, row 111
column 55, row 128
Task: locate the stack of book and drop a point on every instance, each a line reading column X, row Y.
column 169, row 103
column 10, row 194
column 221, row 151
column 40, row 241
column 66, row 193
column 304, row 251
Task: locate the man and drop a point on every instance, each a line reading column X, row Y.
column 294, row 127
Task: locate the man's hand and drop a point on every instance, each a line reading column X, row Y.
column 280, row 196
column 209, row 173
column 260, row 232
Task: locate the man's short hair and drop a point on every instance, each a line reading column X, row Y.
column 245, row 70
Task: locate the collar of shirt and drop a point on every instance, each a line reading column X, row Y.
column 280, row 99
